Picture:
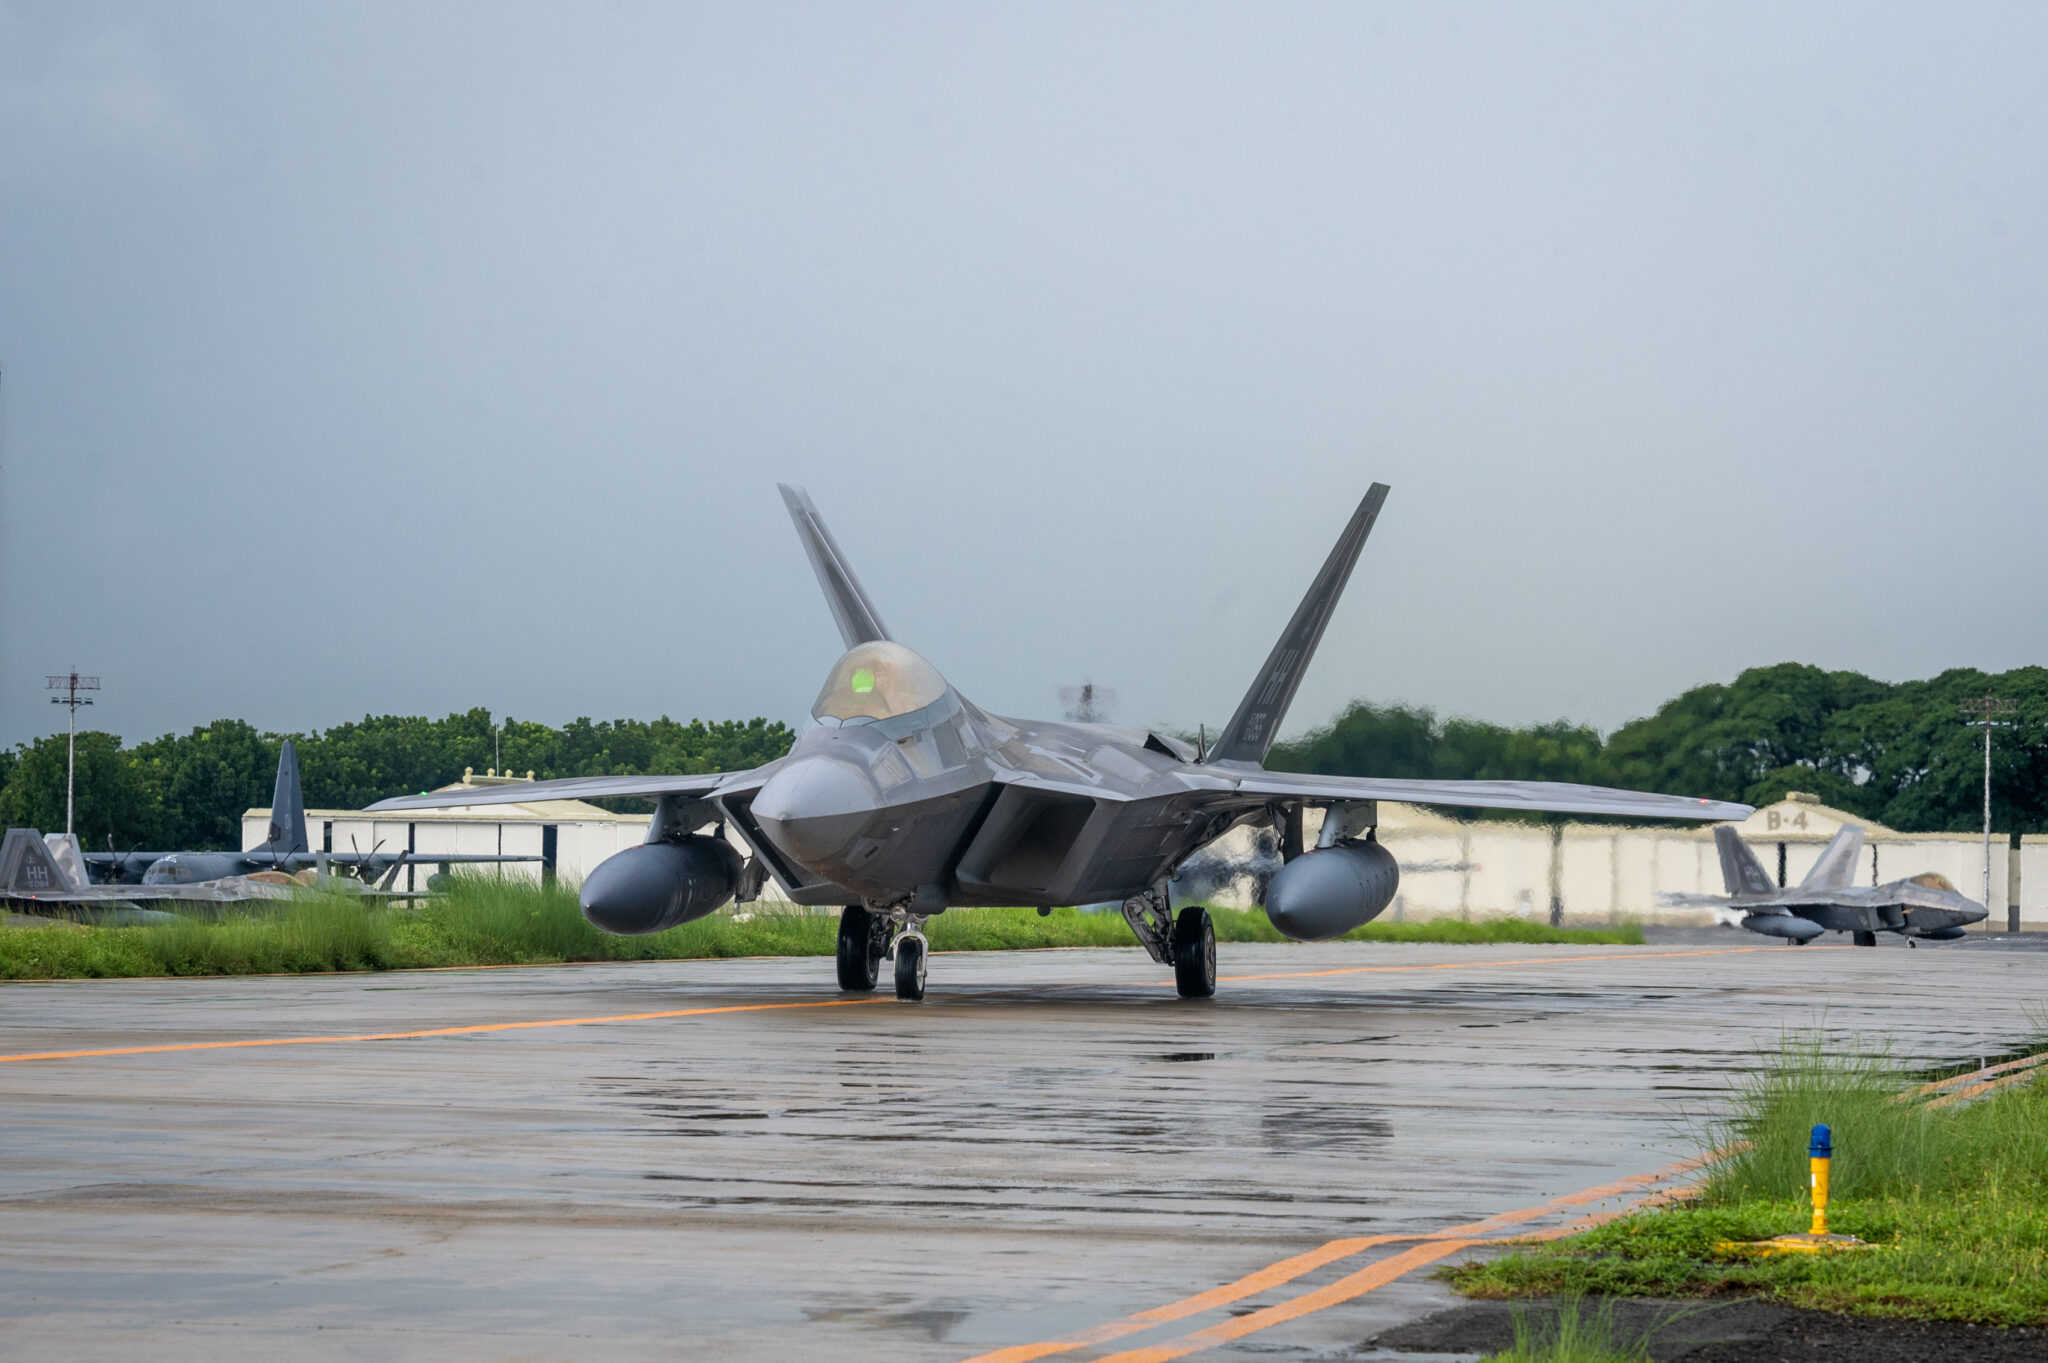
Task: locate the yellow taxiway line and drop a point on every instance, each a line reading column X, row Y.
column 1432, row 1246
column 480, row 1028
column 472, row 1030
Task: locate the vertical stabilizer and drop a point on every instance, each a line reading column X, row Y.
column 27, row 867
column 1740, row 870
column 1837, row 865
column 287, row 808
column 858, row 621
column 1249, row 735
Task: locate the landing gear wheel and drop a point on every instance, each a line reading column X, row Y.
column 1865, row 939
column 910, row 968
column 857, row 960
column 1194, row 953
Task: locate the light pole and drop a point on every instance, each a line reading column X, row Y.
column 71, row 684
column 1981, row 710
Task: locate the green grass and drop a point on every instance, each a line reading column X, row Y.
column 1957, row 1198
column 1572, row 1335
column 486, row 920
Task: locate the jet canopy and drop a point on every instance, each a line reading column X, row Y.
column 880, row 679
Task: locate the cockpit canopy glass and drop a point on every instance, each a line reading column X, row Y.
column 1933, row 880
column 878, row 680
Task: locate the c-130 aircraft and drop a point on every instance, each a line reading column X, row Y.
column 908, row 799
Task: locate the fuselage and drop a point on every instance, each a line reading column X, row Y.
column 1921, row 906
column 905, row 788
column 191, row 868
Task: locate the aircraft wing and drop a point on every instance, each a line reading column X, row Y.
column 301, row 860
column 569, row 788
column 228, row 891
column 1550, row 797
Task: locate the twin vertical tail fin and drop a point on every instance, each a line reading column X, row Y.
column 1837, row 865
column 1249, row 735
column 287, row 808
column 29, row 866
column 858, row 621
column 1741, row 872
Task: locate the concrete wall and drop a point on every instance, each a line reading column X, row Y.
column 1602, row 874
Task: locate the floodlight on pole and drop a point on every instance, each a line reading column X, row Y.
column 1981, row 711
column 71, row 684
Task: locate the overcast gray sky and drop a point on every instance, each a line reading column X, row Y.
column 405, row 358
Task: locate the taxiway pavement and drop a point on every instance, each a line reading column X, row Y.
column 721, row 1160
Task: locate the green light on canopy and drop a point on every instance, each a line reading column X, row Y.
column 863, row 681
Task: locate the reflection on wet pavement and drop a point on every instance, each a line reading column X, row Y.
column 1047, row 1144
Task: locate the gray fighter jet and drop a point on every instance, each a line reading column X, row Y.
column 1918, row 906
column 286, row 848
column 907, row 799
column 49, row 871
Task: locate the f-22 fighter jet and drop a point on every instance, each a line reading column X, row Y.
column 908, row 799
column 1925, row 905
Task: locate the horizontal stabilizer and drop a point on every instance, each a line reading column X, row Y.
column 858, row 621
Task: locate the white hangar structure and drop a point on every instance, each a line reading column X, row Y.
column 1573, row 874
column 568, row 838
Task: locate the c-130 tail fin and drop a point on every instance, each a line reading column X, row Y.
column 1249, row 735
column 287, row 808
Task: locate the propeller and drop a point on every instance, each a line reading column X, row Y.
column 364, row 864
column 118, row 872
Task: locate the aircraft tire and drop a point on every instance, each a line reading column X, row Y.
column 1194, row 953
column 857, row 963
column 910, row 968
column 1865, row 939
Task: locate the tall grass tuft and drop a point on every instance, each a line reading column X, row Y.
column 1571, row 1335
column 1885, row 1147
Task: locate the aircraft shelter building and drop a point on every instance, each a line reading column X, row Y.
column 1574, row 874
column 570, row 837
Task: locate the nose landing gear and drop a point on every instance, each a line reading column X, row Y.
column 910, row 954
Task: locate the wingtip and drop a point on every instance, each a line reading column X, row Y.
column 794, row 497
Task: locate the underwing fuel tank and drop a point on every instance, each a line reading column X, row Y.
column 658, row 885
column 1784, row 925
column 1327, row 893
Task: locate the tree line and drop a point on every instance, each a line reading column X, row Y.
column 190, row 790
column 1898, row 753
column 1901, row 754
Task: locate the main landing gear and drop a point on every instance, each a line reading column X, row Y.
column 1187, row 943
column 866, row 939
column 863, row 942
column 1194, row 953
column 1865, row 939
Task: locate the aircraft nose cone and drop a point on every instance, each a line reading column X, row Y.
column 813, row 808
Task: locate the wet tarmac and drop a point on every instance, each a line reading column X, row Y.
column 1050, row 1143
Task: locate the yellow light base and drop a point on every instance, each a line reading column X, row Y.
column 1794, row 1244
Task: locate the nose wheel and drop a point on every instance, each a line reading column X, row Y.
column 1194, row 953
column 910, row 954
column 863, row 940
